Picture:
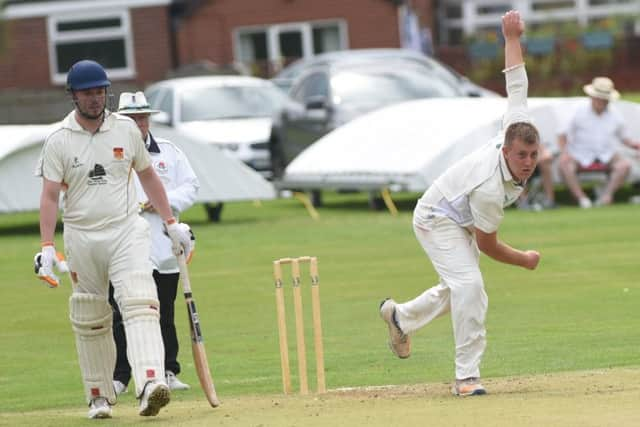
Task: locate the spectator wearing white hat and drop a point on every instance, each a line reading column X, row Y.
column 590, row 139
column 181, row 186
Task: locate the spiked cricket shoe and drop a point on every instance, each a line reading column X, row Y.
column 174, row 383
column 155, row 395
column 119, row 387
column 99, row 408
column 468, row 387
column 399, row 342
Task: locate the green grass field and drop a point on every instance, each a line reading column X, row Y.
column 633, row 96
column 576, row 312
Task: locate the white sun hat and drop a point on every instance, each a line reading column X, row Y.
column 602, row 88
column 134, row 103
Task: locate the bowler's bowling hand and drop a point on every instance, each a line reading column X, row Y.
column 532, row 259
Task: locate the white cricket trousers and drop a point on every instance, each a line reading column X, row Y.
column 120, row 254
column 109, row 254
column 455, row 256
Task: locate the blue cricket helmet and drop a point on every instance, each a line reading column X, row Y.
column 86, row 74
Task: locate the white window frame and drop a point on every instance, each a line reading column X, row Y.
column 581, row 11
column 124, row 32
column 274, row 30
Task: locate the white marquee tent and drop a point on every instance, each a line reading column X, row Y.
column 222, row 178
column 407, row 146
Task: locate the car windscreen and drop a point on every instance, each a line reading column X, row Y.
column 229, row 102
column 371, row 87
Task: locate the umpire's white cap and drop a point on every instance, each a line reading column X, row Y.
column 134, row 103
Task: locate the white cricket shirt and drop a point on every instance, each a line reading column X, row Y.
column 95, row 170
column 475, row 190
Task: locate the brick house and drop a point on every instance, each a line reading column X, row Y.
column 44, row 38
column 142, row 41
column 267, row 34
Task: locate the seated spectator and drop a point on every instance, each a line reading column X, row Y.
column 591, row 138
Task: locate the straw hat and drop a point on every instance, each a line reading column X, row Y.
column 602, row 88
column 134, row 103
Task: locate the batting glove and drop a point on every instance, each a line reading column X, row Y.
column 44, row 262
column 182, row 238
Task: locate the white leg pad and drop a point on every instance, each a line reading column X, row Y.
column 140, row 310
column 91, row 321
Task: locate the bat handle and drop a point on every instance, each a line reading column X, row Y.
column 184, row 273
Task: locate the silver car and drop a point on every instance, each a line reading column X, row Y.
column 233, row 112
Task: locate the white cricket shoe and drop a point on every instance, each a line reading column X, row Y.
column 399, row 342
column 119, row 387
column 99, row 408
column 585, row 203
column 174, row 383
column 155, row 395
column 468, row 387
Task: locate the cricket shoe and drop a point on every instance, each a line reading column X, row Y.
column 119, row 387
column 399, row 342
column 585, row 203
column 99, row 408
column 174, row 383
column 468, row 387
column 155, row 395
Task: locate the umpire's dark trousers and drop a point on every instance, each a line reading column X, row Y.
column 167, row 285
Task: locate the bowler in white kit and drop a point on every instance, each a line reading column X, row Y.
column 459, row 215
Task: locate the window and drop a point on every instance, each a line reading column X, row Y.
column 314, row 85
column 326, row 39
column 161, row 99
column 104, row 37
column 265, row 50
column 552, row 5
column 291, row 44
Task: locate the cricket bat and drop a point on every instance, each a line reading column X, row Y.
column 197, row 342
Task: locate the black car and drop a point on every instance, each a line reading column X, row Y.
column 334, row 88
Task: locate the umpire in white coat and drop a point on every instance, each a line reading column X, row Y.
column 181, row 185
column 459, row 215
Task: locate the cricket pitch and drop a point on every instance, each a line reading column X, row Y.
column 607, row 397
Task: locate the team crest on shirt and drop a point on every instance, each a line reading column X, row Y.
column 161, row 167
column 118, row 153
column 97, row 175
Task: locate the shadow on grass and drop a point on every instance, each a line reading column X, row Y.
column 364, row 205
column 361, row 201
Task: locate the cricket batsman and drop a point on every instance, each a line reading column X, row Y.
column 90, row 157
